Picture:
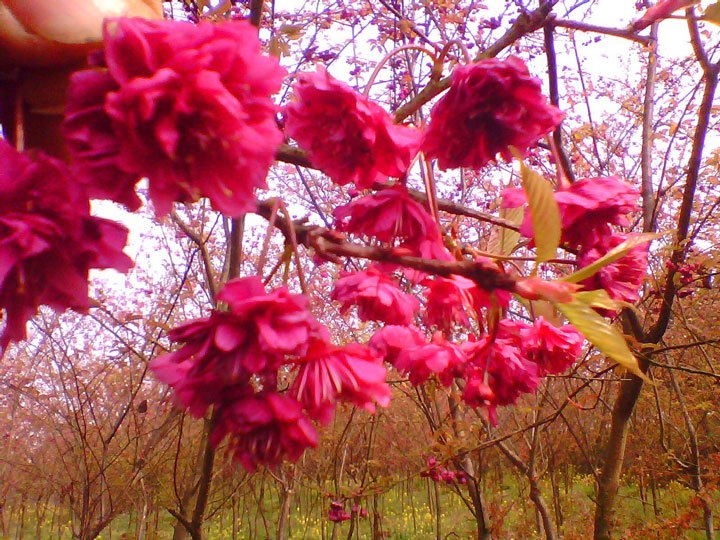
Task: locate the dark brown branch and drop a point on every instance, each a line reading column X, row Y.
column 330, row 245
column 237, row 227
column 202, row 247
column 256, row 8
column 617, row 32
column 648, row 204
column 555, row 100
column 683, row 224
column 686, row 370
column 696, row 41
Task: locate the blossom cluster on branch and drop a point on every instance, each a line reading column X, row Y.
column 190, row 108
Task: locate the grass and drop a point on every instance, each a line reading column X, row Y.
column 406, row 514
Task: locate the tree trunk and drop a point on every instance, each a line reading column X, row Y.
column 284, row 520
column 614, row 456
column 438, row 517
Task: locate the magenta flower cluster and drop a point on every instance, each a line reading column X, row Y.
column 233, row 361
column 189, row 107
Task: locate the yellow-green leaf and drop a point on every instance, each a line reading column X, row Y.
column 598, row 298
column 601, row 333
column 544, row 211
column 712, row 13
column 504, row 240
column 618, row 252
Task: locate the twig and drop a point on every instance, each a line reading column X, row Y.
column 563, row 160
column 617, row 32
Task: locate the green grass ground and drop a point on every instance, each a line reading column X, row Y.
column 406, row 515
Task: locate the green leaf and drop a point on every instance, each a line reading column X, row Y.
column 618, row 252
column 598, row 331
column 712, row 13
column 503, row 240
column 598, row 298
column 544, row 211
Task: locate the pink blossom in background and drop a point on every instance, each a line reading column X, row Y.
column 388, row 342
column 337, row 512
column 588, row 208
column 347, row 136
column 186, row 105
column 621, row 279
column 491, row 105
column 351, row 374
column 376, row 296
column 264, row 429
column 48, row 240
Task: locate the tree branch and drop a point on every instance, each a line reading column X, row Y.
column 683, row 224
column 617, row 32
column 330, row 245
column 564, row 164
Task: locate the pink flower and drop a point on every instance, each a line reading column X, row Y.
column 264, row 429
column 440, row 357
column 224, row 351
column 377, row 296
column 388, row 342
column 662, row 10
column 281, row 320
column 491, row 105
column 220, row 355
column 392, row 216
column 502, row 366
column 389, row 215
column 477, row 393
column 187, row 106
column 347, row 136
column 453, row 300
column 337, row 512
column 621, row 279
column 351, row 373
column 48, row 240
column 554, row 349
column 588, row 208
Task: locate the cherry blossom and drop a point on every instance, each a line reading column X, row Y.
column 187, row 106
column 264, row 429
column 491, row 105
column 376, row 295
column 347, row 136
column 48, row 240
